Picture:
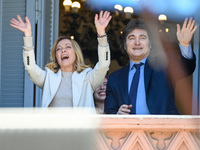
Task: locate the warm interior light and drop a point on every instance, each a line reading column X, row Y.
column 76, row 5
column 128, row 10
column 162, row 17
column 72, row 37
column 118, row 7
column 167, row 30
column 67, row 3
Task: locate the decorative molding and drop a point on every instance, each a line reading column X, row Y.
column 196, row 136
column 138, row 140
column 116, row 137
column 149, row 132
column 183, row 140
column 161, row 137
column 155, row 142
column 100, row 142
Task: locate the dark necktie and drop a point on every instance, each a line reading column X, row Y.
column 134, row 87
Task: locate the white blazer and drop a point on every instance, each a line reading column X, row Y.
column 83, row 84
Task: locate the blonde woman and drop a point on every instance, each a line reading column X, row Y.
column 67, row 81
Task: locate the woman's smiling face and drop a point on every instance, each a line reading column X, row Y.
column 100, row 92
column 65, row 55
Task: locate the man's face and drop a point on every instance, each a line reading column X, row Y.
column 137, row 45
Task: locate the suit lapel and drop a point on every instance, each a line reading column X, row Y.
column 147, row 73
column 77, row 85
column 123, row 83
column 54, row 80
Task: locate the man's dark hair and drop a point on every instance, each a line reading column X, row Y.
column 133, row 24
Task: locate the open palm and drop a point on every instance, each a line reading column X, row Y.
column 102, row 21
column 185, row 34
column 21, row 25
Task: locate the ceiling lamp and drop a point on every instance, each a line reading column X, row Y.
column 128, row 11
column 75, row 6
column 67, row 4
column 118, row 7
column 162, row 17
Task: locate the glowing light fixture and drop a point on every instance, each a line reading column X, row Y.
column 118, row 7
column 72, row 37
column 75, row 6
column 128, row 11
column 67, row 4
column 162, row 17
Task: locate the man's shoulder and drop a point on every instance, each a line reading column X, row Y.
column 116, row 73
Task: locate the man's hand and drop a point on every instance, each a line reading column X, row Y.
column 124, row 109
column 185, row 34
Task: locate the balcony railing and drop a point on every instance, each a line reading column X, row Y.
column 51, row 129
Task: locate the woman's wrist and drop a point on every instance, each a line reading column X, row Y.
column 101, row 35
column 27, row 34
column 101, row 30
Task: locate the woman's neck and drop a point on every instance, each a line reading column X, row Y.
column 67, row 69
column 99, row 106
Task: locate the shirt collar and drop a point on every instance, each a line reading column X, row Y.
column 132, row 63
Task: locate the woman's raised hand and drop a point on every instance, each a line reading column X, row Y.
column 21, row 25
column 102, row 21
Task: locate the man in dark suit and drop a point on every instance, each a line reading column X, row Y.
column 143, row 86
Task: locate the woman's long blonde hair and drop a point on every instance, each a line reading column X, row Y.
column 79, row 64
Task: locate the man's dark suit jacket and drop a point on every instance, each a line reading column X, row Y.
column 159, row 91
